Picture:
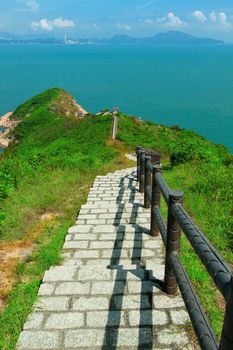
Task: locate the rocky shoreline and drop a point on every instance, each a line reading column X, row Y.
column 9, row 125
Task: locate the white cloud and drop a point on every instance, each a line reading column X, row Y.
column 124, row 27
column 45, row 24
column 223, row 20
column 171, row 20
column 220, row 18
column 200, row 16
column 174, row 21
column 213, row 16
column 63, row 23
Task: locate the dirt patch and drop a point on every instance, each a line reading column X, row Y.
column 49, row 216
column 13, row 253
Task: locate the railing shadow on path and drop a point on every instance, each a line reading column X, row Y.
column 145, row 335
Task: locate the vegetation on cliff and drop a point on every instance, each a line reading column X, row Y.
column 45, row 176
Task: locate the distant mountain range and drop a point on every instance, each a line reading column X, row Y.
column 171, row 37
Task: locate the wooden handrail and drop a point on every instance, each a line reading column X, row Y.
column 153, row 185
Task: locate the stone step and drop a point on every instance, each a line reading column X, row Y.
column 107, row 292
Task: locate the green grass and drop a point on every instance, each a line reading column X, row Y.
column 204, row 172
column 29, row 278
column 48, row 171
column 39, row 174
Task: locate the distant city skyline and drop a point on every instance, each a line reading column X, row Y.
column 104, row 18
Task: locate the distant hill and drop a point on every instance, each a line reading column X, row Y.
column 11, row 38
column 171, row 37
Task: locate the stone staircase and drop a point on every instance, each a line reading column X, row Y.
column 107, row 292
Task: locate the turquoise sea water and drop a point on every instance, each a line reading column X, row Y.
column 191, row 86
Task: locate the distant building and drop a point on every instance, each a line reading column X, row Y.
column 68, row 41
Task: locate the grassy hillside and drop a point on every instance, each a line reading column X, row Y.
column 49, row 148
column 45, row 176
column 203, row 171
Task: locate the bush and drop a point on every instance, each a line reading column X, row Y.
column 192, row 147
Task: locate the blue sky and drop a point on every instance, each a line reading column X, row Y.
column 104, row 18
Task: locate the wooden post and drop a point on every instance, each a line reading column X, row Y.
column 227, row 331
column 147, row 182
column 142, row 171
column 155, row 201
column 155, row 158
column 115, row 125
column 173, row 242
column 138, row 148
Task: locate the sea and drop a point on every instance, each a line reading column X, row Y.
column 186, row 85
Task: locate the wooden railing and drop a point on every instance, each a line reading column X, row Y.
column 152, row 184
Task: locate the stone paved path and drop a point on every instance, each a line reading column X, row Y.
column 106, row 294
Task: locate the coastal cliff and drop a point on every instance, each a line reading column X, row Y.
column 7, row 125
column 67, row 106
